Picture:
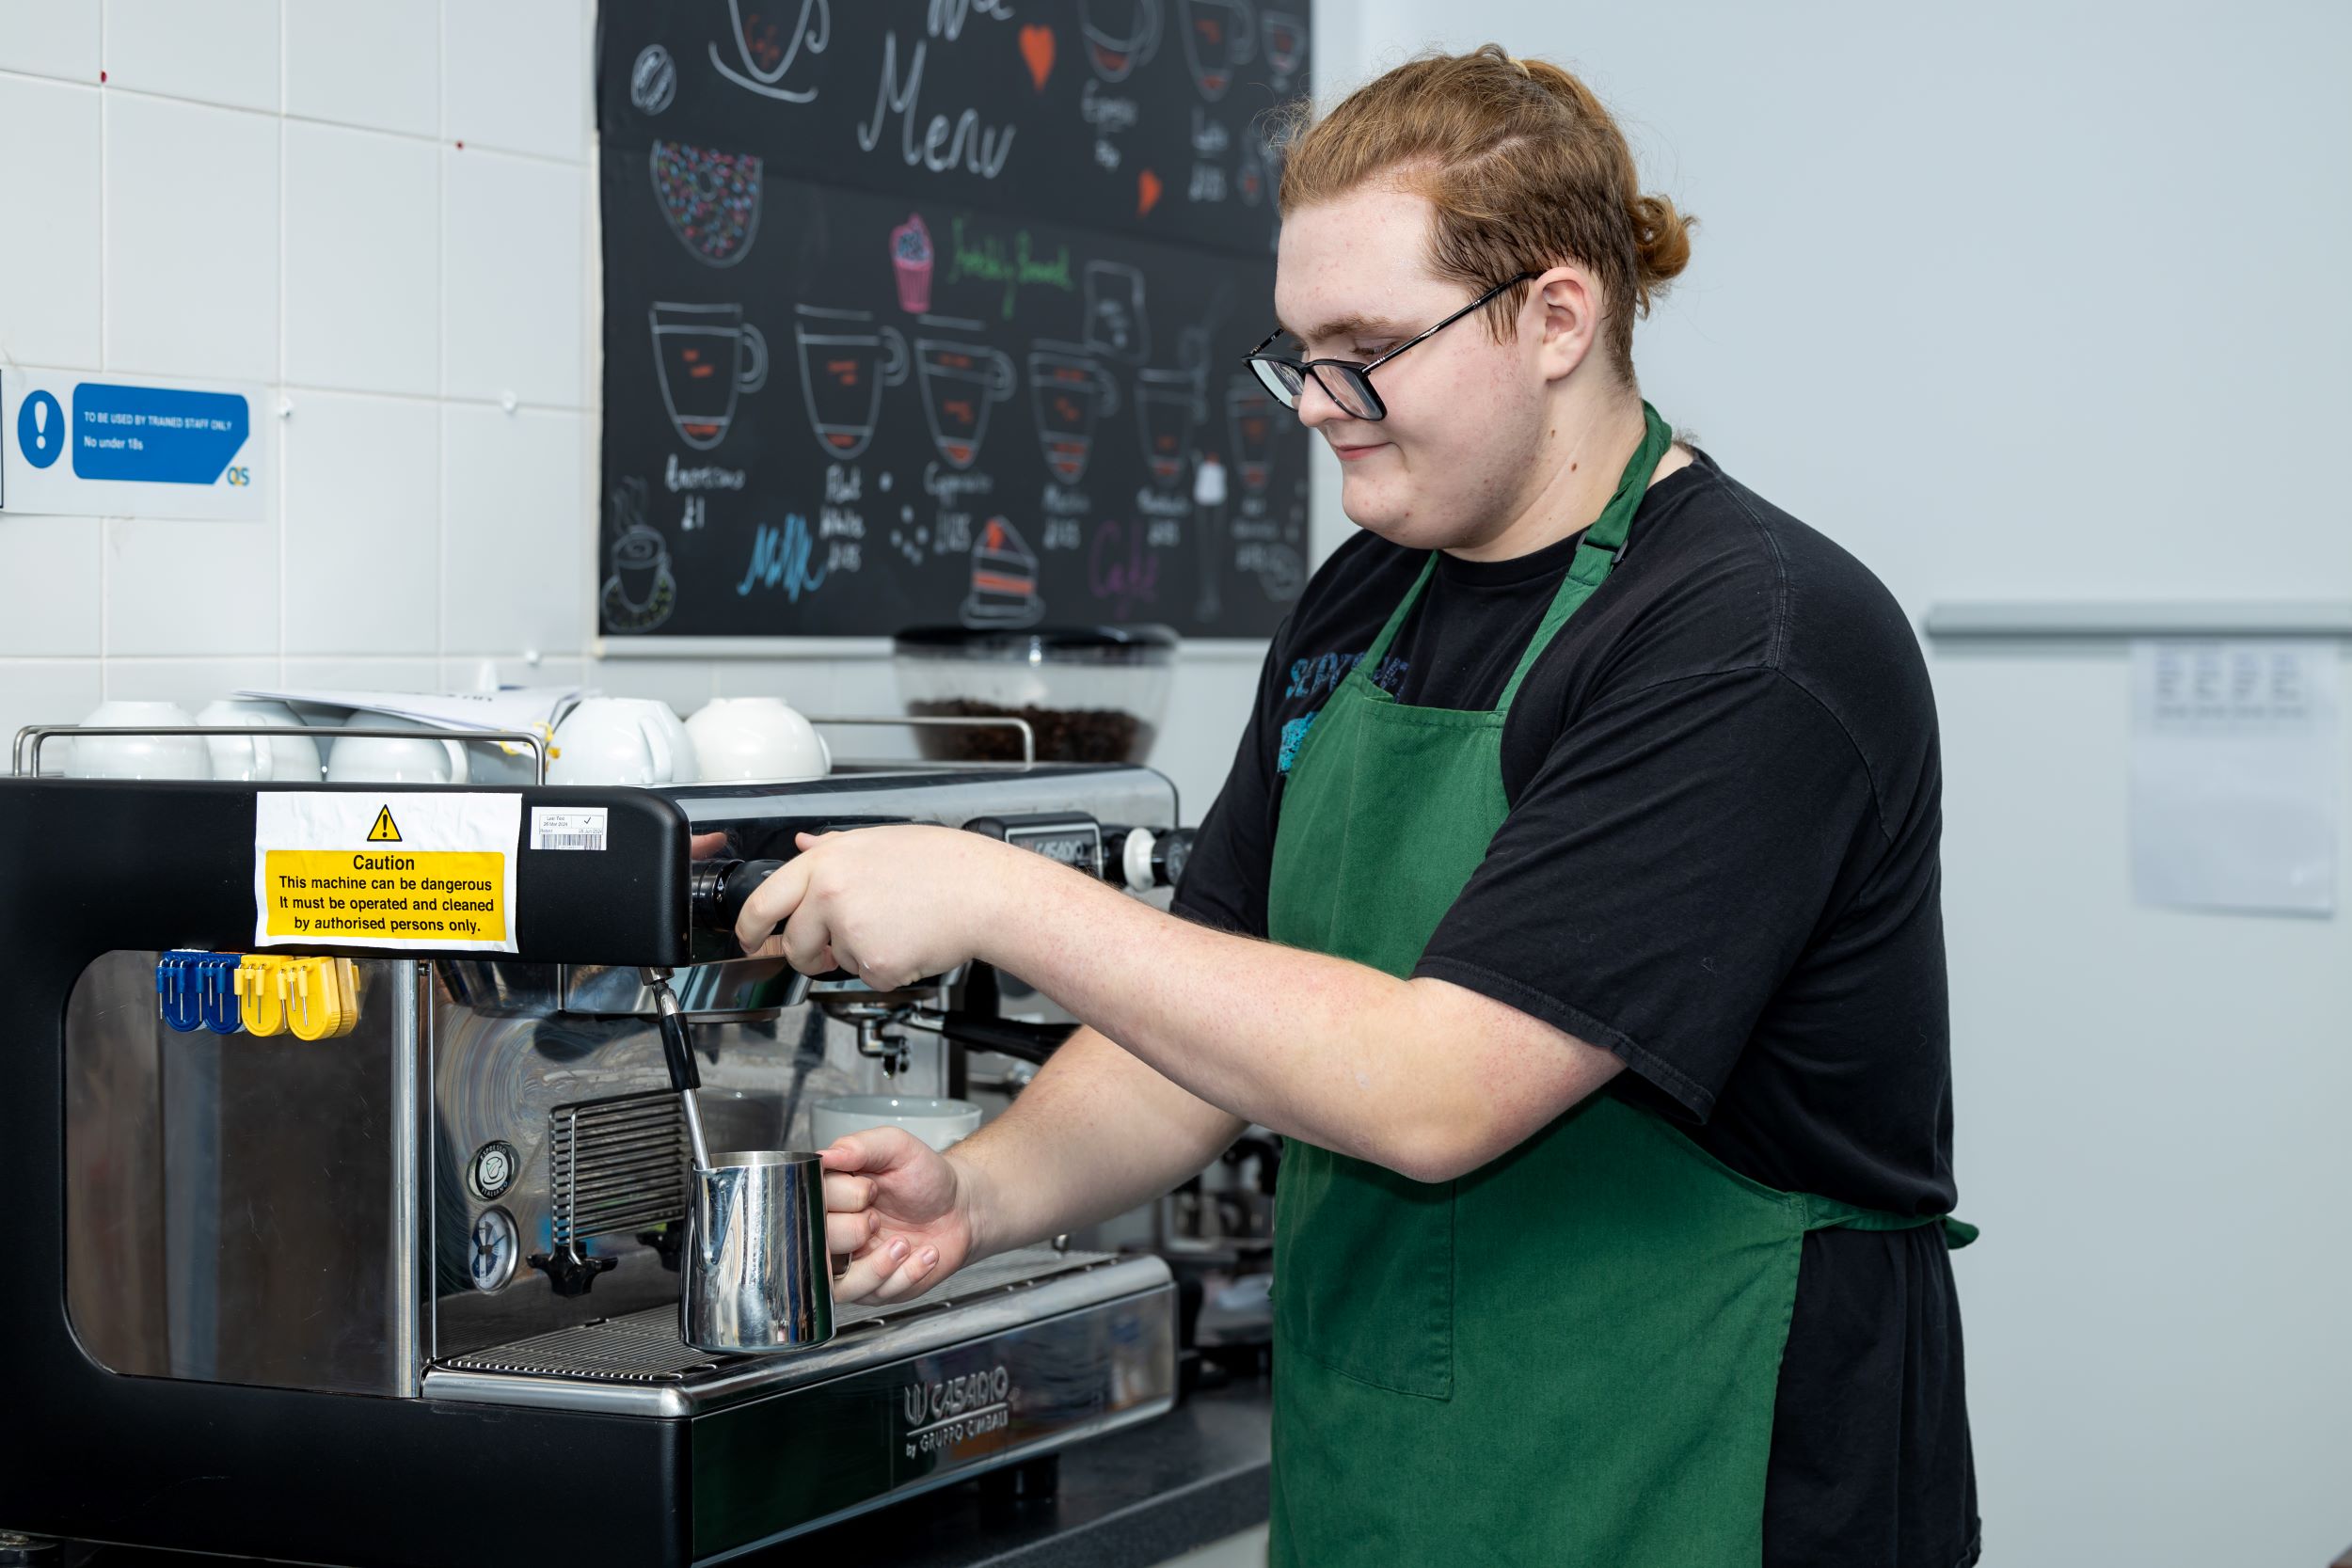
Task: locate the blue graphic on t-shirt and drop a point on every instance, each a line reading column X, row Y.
column 1293, row 733
column 1312, row 677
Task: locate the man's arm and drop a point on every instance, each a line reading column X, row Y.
column 1424, row 1077
column 1427, row 1078
column 1094, row 1134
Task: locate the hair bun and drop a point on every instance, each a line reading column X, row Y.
column 1661, row 240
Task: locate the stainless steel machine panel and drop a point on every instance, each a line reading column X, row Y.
column 242, row 1210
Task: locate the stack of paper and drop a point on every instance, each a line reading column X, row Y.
column 513, row 707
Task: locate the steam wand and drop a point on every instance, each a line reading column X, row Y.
column 677, row 1049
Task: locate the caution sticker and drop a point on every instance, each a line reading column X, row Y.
column 391, row 870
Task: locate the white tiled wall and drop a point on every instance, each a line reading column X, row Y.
column 381, row 213
column 384, row 213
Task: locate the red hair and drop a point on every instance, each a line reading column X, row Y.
column 1524, row 167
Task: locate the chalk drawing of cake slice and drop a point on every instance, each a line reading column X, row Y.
column 710, row 199
column 1004, row 579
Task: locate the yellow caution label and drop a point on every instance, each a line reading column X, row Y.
column 439, row 895
column 384, row 832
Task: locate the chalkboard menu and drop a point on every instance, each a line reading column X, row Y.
column 922, row 312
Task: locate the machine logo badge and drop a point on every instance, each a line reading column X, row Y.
column 943, row 1414
column 385, row 831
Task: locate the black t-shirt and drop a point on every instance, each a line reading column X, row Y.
column 1720, row 863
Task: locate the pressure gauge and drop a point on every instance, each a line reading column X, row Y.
column 496, row 1243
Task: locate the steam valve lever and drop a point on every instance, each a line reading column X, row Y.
column 677, row 1049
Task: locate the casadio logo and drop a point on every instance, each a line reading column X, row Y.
column 955, row 1410
column 945, row 1400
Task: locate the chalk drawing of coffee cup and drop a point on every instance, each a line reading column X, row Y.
column 1068, row 392
column 1119, row 35
column 1218, row 36
column 1285, row 39
column 1249, row 413
column 1117, row 328
column 706, row 355
column 641, row 591
column 960, row 383
column 767, row 50
column 845, row 361
column 1168, row 407
column 710, row 199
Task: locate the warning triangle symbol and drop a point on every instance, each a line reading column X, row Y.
column 384, row 832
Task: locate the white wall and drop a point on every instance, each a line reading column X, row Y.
column 2048, row 302
column 382, row 212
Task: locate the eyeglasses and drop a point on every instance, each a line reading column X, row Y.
column 1344, row 383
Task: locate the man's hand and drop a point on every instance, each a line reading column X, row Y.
column 899, row 1210
column 889, row 904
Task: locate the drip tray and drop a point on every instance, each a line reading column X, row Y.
column 636, row 1364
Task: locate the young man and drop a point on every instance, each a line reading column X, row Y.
column 1571, row 909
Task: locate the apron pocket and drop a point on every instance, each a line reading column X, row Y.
column 1363, row 1270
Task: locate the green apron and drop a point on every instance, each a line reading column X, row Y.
column 1569, row 1355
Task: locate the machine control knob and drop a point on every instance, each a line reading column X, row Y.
column 1143, row 858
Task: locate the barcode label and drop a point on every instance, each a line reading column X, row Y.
column 567, row 827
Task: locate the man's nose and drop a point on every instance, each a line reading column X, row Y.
column 1317, row 407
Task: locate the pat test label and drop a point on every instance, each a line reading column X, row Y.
column 389, row 870
column 568, row 827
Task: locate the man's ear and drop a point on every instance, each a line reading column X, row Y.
column 1568, row 320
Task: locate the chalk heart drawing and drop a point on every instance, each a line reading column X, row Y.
column 960, row 383
column 1119, row 35
column 1146, row 192
column 845, row 361
column 704, row 354
column 768, row 51
column 711, row 199
column 1218, row 36
column 1037, row 48
column 1004, row 579
column 1068, row 392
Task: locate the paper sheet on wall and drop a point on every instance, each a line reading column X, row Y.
column 2234, row 775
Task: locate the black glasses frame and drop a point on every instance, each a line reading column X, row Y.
column 1355, row 378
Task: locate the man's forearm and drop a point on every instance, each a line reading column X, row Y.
column 1310, row 1046
column 1095, row 1133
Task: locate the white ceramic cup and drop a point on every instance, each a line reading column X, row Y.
column 936, row 1122
column 757, row 738
column 426, row 759
column 260, row 759
column 621, row 740
column 138, row 756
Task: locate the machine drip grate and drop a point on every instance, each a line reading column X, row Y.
column 616, row 1165
column 643, row 1347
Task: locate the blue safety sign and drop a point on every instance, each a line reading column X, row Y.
column 155, row 435
column 131, row 449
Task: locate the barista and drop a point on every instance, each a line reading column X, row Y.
column 1571, row 909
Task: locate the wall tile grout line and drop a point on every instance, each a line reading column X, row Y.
column 490, row 148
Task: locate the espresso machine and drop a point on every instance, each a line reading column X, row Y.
column 406, row 1292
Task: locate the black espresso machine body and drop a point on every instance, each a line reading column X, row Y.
column 259, row 1306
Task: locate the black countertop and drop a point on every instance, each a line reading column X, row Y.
column 1135, row 1497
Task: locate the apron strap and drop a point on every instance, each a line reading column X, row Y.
column 1379, row 649
column 1821, row 1213
column 1598, row 550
